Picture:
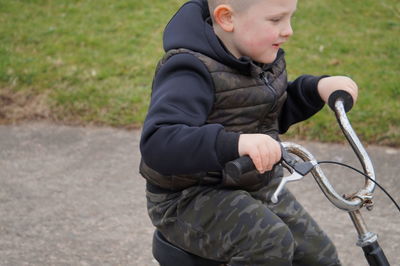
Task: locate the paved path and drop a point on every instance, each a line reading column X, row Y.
column 73, row 196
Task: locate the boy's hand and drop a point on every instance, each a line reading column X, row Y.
column 263, row 150
column 330, row 84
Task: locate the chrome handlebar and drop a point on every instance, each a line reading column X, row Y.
column 358, row 199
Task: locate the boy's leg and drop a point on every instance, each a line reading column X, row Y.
column 312, row 246
column 223, row 225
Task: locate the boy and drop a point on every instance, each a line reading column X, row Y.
column 221, row 92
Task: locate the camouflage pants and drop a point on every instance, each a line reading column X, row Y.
column 240, row 227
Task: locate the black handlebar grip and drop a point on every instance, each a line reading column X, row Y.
column 239, row 166
column 244, row 164
column 341, row 95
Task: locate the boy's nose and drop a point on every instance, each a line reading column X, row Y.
column 287, row 31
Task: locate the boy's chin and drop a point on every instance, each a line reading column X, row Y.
column 267, row 59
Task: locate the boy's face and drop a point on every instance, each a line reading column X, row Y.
column 261, row 29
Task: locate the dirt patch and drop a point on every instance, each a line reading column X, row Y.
column 21, row 106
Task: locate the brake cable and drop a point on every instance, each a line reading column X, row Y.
column 360, row 172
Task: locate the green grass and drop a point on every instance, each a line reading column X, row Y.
column 93, row 61
column 359, row 39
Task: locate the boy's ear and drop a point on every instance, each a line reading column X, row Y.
column 223, row 16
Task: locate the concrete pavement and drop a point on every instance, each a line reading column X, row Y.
column 73, row 196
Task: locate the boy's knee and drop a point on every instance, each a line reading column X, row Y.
column 278, row 241
column 272, row 245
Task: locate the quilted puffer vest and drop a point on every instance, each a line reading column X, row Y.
column 243, row 103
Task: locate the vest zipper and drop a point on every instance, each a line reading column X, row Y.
column 270, row 88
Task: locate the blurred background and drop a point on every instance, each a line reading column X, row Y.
column 91, row 62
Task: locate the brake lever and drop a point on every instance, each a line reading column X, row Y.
column 296, row 168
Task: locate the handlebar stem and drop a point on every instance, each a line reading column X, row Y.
column 365, row 237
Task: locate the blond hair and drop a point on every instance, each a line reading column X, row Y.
column 237, row 5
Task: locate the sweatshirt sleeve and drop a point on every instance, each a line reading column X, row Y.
column 302, row 102
column 175, row 137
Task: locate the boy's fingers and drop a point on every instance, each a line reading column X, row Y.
column 264, row 157
column 277, row 154
column 264, row 151
column 270, row 153
column 274, row 158
column 256, row 158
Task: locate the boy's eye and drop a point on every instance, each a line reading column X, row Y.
column 275, row 19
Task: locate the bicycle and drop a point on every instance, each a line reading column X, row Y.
column 299, row 165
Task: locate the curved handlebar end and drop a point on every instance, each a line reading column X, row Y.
column 341, row 95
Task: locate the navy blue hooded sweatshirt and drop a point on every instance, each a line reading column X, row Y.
column 175, row 138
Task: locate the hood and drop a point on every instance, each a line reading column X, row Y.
column 191, row 28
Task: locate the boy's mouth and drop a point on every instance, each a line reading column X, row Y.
column 278, row 44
